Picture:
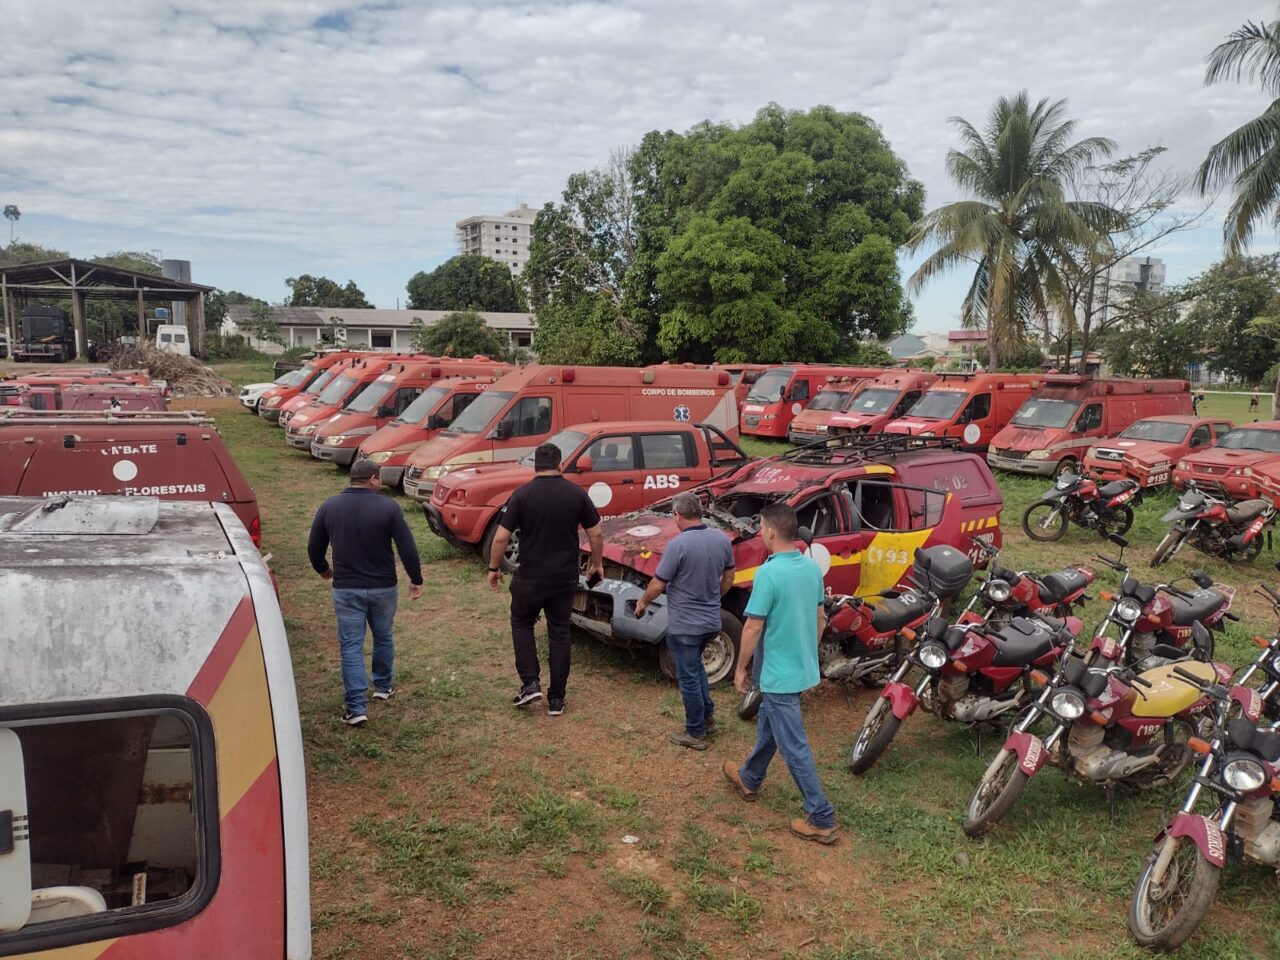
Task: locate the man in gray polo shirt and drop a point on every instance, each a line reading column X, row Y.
column 695, row 572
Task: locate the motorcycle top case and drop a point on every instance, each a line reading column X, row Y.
column 941, row 569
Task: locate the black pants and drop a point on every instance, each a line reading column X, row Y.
column 528, row 599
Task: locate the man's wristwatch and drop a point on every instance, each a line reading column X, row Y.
column 495, row 569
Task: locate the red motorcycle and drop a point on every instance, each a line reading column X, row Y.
column 1020, row 593
column 1232, row 532
column 972, row 673
column 1241, row 767
column 1107, row 509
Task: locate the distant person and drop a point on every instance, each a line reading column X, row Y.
column 786, row 607
column 696, row 570
column 1253, row 402
column 548, row 510
column 361, row 525
column 1195, row 402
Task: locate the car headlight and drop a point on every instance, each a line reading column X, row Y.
column 1091, row 452
column 932, row 655
column 1244, row 775
column 822, row 428
column 1128, row 609
column 1067, row 704
column 382, row 456
column 336, row 438
column 306, row 431
column 927, row 433
column 769, row 416
column 435, row 473
column 1182, row 465
column 273, row 402
column 999, row 590
column 1038, row 455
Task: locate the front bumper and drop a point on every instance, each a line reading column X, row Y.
column 763, row 428
column 391, row 476
column 435, row 522
column 1219, row 485
column 249, row 402
column 1038, row 468
column 804, row 436
column 605, row 612
column 298, row 441
column 464, row 526
column 342, row 456
column 271, row 414
column 419, row 489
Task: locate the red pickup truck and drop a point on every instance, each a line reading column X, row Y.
column 624, row 466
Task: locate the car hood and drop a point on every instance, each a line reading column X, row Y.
column 257, row 387
column 812, row 418
column 484, row 479
column 312, row 414
column 637, row 540
column 914, row 425
column 349, row 422
column 1027, row 438
column 1233, row 459
column 855, row 420
column 396, row 436
column 440, row 448
column 1143, row 450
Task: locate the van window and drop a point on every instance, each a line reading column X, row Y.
column 179, row 338
column 1201, row 436
column 479, row 414
column 799, row 391
column 979, row 408
column 907, row 402
column 1091, row 419
column 1040, row 412
column 939, row 404
column 123, row 811
column 529, row 417
column 666, row 451
column 612, row 453
column 166, row 338
column 1220, row 430
column 821, row 516
column 768, row 389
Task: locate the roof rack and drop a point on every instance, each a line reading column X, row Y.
column 862, row 446
column 31, row 417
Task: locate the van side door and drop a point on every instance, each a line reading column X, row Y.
column 612, row 482
column 975, row 422
column 1089, row 420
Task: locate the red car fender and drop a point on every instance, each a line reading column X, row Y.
column 1204, row 833
column 1249, row 701
column 901, row 698
column 1030, row 751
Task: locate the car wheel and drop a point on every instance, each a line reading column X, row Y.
column 720, row 656
column 1066, row 465
column 510, row 557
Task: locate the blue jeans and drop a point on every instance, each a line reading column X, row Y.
column 355, row 608
column 781, row 727
column 686, row 653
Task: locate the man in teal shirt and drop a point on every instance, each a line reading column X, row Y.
column 786, row 607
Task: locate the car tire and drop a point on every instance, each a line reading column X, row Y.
column 720, row 657
column 511, row 558
column 1066, row 465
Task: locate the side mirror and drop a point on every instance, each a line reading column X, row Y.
column 1202, row 579
column 585, row 464
column 1118, row 540
column 1195, row 442
column 434, row 421
column 806, row 535
column 503, row 430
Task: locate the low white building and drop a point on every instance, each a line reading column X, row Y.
column 374, row 329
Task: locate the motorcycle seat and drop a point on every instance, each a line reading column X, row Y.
column 1115, row 488
column 1021, row 642
column 1055, row 586
column 1246, row 510
column 895, row 613
column 1246, row 736
column 1201, row 605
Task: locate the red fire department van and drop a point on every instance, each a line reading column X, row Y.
column 338, row 438
column 528, row 405
column 433, row 411
column 622, row 466
column 350, row 381
column 315, row 373
column 1227, row 468
column 173, row 456
column 743, row 376
column 1147, row 450
column 970, row 407
column 84, row 397
column 780, row 394
column 876, row 402
column 1054, row 428
column 814, row 421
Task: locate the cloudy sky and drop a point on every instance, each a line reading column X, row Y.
column 265, row 139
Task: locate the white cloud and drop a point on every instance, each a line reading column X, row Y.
column 245, row 132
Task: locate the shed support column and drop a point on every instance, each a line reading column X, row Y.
column 199, row 326
column 82, row 330
column 142, row 318
column 9, row 330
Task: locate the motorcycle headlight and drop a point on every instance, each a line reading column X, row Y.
column 998, row 590
column 1038, row 455
column 1067, row 704
column 1061, row 483
column 382, row 456
column 1128, row 609
column 1184, row 507
column 306, row 431
column 436, row 472
column 1244, row 775
column 1275, row 665
column 933, row 655
column 273, row 401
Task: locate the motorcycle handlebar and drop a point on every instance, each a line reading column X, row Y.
column 1140, row 682
column 1176, row 591
column 1113, row 564
column 1275, row 597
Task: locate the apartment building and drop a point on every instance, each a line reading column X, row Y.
column 503, row 238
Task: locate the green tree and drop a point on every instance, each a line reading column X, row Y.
column 261, row 324
column 1018, row 221
column 1154, row 340
column 1023, row 355
column 462, row 333
column 18, row 253
column 1248, row 157
column 1232, row 294
column 216, row 304
column 466, row 282
column 309, row 291
column 869, row 354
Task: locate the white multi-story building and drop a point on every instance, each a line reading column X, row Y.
column 505, row 238
column 1137, row 273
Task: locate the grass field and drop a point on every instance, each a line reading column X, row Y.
column 455, row 827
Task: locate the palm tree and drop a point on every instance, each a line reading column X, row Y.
column 1019, row 226
column 1249, row 156
column 12, row 214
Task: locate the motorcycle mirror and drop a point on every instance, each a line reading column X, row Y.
column 1118, row 540
column 1202, row 579
column 806, row 535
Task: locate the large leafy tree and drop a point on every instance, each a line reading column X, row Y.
column 306, row 290
column 1233, row 295
column 1248, row 158
column 466, row 282
column 462, row 333
column 1154, row 339
column 1018, row 223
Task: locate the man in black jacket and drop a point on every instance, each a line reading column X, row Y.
column 361, row 525
column 548, row 510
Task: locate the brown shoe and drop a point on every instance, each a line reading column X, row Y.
column 683, row 738
column 735, row 778
column 712, row 728
column 807, row 831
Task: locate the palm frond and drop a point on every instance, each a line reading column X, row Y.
column 1252, row 51
column 1257, row 193
column 1239, row 149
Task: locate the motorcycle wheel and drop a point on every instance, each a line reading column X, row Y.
column 1174, row 766
column 1000, row 786
column 1163, row 917
column 1052, row 525
column 1116, row 522
column 1248, row 554
column 750, row 705
column 877, row 732
column 1167, row 546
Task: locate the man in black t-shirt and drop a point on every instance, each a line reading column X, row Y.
column 548, row 510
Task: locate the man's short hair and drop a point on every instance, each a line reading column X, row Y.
column 547, row 457
column 782, row 518
column 363, row 470
column 687, row 505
